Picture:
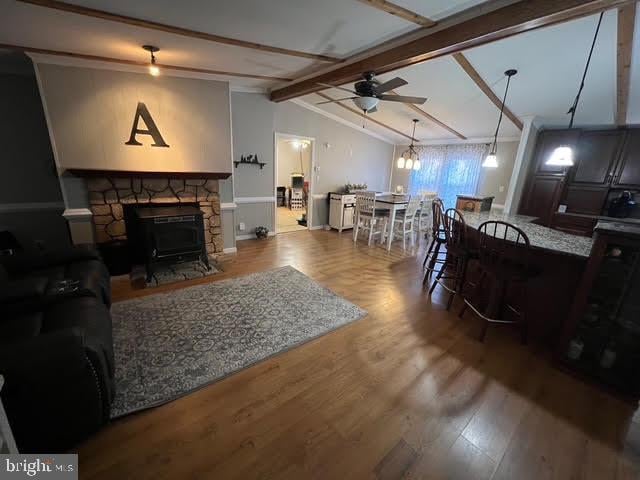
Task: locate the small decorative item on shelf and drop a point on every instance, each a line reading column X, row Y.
column 249, row 160
column 355, row 187
column 262, row 232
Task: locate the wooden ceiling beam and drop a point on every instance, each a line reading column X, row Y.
column 486, row 89
column 431, row 118
column 400, row 12
column 626, row 25
column 185, row 32
column 367, row 117
column 503, row 22
column 97, row 58
column 425, row 23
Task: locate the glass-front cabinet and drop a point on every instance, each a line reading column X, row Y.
column 601, row 340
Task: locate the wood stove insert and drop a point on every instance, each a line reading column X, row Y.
column 170, row 234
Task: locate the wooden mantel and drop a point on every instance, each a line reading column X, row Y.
column 136, row 174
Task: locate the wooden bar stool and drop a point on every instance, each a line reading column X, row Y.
column 437, row 239
column 503, row 260
column 452, row 275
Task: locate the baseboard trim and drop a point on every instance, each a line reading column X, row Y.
column 252, row 236
column 228, row 206
column 239, row 200
column 317, row 227
column 230, row 250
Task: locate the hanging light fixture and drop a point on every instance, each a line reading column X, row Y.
column 154, row 70
column 406, row 160
column 491, row 161
column 562, row 156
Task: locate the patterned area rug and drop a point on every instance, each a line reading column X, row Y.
column 168, row 345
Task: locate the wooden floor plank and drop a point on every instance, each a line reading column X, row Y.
column 407, row 392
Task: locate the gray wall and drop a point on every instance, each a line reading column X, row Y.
column 30, row 199
column 342, row 154
column 491, row 179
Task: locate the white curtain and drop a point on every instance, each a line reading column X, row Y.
column 449, row 170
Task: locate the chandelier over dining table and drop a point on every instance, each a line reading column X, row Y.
column 409, row 159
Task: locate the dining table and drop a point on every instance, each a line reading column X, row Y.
column 394, row 203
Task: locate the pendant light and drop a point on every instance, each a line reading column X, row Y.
column 562, row 156
column 491, row 161
column 406, row 160
column 154, row 70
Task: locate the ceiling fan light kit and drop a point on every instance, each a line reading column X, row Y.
column 491, row 160
column 369, row 91
column 562, row 156
column 366, row 103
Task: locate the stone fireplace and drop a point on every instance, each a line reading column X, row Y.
column 107, row 195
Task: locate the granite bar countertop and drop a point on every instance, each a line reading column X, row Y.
column 541, row 237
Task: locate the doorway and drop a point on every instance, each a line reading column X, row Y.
column 294, row 161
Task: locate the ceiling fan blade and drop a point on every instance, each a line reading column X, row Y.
column 336, row 100
column 339, row 88
column 403, row 99
column 372, row 110
column 390, row 85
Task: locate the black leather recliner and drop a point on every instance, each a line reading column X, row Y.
column 56, row 349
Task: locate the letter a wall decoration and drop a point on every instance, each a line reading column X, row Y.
column 152, row 128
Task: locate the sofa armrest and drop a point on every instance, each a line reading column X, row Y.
column 50, row 380
column 24, row 263
column 21, row 290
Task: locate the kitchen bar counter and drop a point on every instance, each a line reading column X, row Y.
column 540, row 237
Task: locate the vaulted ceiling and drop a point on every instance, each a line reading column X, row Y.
column 261, row 44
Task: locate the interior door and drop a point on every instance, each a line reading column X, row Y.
column 628, row 172
column 596, row 154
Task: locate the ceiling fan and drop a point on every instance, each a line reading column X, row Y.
column 369, row 92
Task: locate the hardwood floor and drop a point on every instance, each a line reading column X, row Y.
column 407, row 392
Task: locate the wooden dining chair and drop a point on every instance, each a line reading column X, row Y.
column 367, row 218
column 453, row 272
column 433, row 256
column 406, row 224
column 504, row 255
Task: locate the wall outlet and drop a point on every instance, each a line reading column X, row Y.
column 241, row 226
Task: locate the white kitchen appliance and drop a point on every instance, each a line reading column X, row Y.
column 342, row 210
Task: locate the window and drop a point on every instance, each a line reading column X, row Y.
column 449, row 170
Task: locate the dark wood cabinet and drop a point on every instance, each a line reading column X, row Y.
column 596, row 155
column 585, row 198
column 548, row 141
column 601, row 338
column 628, row 171
column 606, row 162
column 576, row 225
column 542, row 197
